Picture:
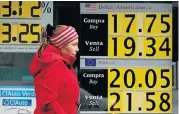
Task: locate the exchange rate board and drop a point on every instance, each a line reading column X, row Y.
column 126, row 57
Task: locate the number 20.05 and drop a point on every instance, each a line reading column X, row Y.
column 148, row 75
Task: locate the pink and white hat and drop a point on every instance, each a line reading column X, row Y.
column 63, row 35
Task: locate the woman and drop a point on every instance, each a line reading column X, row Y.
column 56, row 86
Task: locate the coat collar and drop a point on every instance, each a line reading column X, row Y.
column 68, row 59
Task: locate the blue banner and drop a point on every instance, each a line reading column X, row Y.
column 17, row 93
column 16, row 102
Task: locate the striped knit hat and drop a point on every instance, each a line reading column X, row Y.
column 63, row 35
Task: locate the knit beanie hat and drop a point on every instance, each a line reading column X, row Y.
column 62, row 35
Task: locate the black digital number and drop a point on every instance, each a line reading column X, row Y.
column 167, row 49
column 9, row 9
column 147, row 78
column 132, row 16
column 129, row 101
column 117, row 100
column 20, row 9
column 133, row 46
column 8, row 32
column 152, row 46
column 154, row 16
column 161, row 48
column 126, row 78
column 164, row 101
column 151, row 16
column 150, row 100
column 35, row 8
column 23, row 33
column 115, row 46
column 115, row 23
column 166, row 23
column 117, row 76
column 165, row 77
column 31, row 31
column 35, row 33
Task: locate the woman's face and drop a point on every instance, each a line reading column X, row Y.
column 71, row 48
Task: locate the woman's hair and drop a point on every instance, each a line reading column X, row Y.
column 49, row 30
column 45, row 37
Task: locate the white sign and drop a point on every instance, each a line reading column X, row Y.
column 47, row 18
column 47, row 10
column 17, row 100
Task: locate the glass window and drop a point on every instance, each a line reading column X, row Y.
column 15, row 67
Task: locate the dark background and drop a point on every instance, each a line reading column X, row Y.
column 69, row 14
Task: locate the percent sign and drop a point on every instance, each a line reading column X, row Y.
column 45, row 7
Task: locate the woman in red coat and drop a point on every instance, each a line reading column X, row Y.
column 56, row 86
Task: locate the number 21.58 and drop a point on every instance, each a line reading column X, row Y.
column 151, row 102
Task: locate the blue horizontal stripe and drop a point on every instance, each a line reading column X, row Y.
column 17, row 93
column 21, row 87
column 17, row 102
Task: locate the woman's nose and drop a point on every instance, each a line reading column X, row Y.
column 77, row 49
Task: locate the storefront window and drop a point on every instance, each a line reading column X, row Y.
column 15, row 66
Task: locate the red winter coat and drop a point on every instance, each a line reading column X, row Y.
column 56, row 86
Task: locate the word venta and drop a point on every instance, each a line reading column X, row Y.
column 94, row 99
column 93, row 46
